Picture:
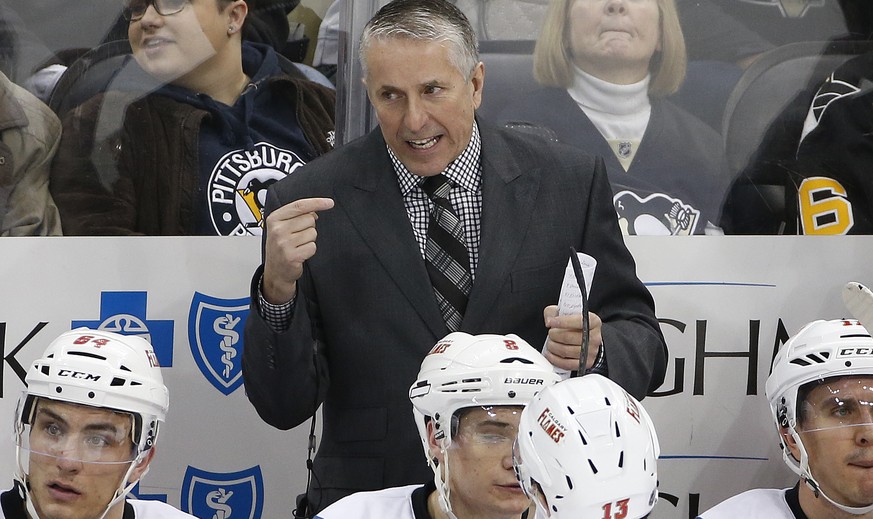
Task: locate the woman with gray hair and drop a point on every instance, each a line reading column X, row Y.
column 607, row 66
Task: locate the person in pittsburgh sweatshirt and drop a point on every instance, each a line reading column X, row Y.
column 186, row 141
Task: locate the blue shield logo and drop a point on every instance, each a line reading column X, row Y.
column 215, row 335
column 125, row 313
column 213, row 495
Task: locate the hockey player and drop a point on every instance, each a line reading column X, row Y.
column 586, row 449
column 85, row 430
column 467, row 401
column 821, row 398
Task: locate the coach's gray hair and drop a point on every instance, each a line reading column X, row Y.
column 428, row 21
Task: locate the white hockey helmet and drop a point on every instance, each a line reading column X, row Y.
column 820, row 350
column 98, row 369
column 586, row 444
column 463, row 371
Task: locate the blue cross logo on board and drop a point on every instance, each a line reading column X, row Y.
column 125, row 313
column 215, row 329
column 216, row 495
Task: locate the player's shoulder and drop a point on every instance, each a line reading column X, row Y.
column 850, row 81
column 760, row 503
column 390, row 502
column 856, row 70
column 147, row 509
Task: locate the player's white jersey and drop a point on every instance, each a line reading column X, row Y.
column 12, row 507
column 395, row 502
column 156, row 510
column 760, row 503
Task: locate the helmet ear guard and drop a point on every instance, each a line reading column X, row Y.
column 782, row 415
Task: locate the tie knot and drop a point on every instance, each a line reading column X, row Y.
column 437, row 186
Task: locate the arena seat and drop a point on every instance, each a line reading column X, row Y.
column 508, row 74
column 107, row 64
column 770, row 85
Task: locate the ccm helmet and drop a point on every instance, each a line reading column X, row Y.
column 590, row 449
column 464, row 370
column 819, row 351
column 97, row 369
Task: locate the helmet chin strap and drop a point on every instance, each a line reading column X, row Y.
column 443, row 490
column 21, row 481
column 21, row 478
column 123, row 489
column 809, row 480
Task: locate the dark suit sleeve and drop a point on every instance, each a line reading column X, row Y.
column 634, row 345
column 285, row 374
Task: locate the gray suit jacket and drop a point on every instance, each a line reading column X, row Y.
column 366, row 307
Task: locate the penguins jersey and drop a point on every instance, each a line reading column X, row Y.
column 407, row 502
column 676, row 179
column 761, row 503
column 832, row 174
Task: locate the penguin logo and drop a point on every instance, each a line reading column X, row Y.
column 238, row 187
column 656, row 214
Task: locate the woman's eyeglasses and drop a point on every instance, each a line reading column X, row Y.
column 135, row 9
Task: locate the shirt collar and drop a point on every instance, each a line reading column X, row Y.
column 464, row 171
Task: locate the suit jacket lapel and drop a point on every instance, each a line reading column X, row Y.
column 509, row 190
column 371, row 198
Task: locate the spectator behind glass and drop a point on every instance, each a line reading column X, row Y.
column 196, row 155
column 86, row 429
column 606, row 67
column 346, row 280
column 29, row 136
column 810, row 173
column 726, row 36
column 812, row 176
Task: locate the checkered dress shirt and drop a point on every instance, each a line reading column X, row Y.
column 466, row 197
column 465, row 171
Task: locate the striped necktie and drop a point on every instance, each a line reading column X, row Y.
column 446, row 257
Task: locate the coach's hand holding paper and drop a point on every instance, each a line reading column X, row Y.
column 565, row 322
